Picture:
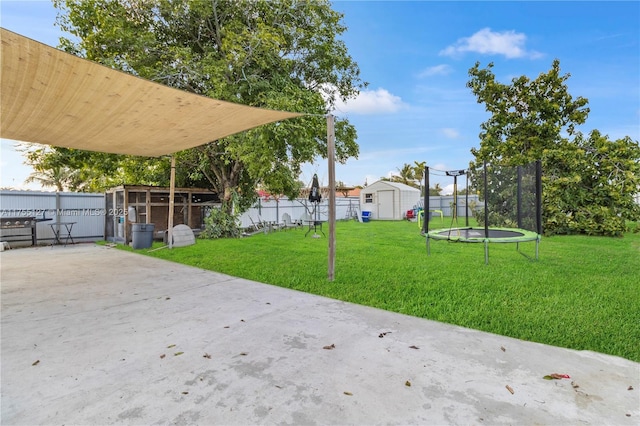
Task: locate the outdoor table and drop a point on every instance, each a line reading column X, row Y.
column 64, row 229
column 315, row 225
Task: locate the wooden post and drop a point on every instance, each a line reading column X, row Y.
column 332, row 196
column 147, row 203
column 172, row 191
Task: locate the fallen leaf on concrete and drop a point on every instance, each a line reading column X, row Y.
column 178, row 353
column 556, row 376
column 185, row 393
column 630, row 388
column 206, row 355
column 241, row 320
column 510, row 389
column 413, row 347
column 168, row 298
column 162, row 356
column 407, row 383
column 347, row 393
column 226, row 326
column 574, row 385
column 381, row 335
column 171, row 346
column 329, row 347
column 243, row 353
column 36, row 362
column 503, row 349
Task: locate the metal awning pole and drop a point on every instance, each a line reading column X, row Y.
column 172, row 191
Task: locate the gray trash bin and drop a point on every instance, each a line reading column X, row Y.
column 142, row 235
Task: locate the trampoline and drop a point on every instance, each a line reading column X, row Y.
column 478, row 235
column 511, row 196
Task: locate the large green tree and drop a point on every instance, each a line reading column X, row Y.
column 589, row 182
column 84, row 171
column 527, row 116
column 283, row 55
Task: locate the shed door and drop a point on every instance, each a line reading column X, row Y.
column 385, row 205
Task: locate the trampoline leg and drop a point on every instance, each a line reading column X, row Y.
column 428, row 247
column 486, row 252
column 537, row 243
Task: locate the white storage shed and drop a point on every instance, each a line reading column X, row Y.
column 388, row 200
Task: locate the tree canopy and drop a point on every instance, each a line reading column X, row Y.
column 283, row 55
column 589, row 182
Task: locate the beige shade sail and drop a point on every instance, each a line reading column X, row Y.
column 51, row 97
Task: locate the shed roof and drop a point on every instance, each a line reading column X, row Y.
column 55, row 98
column 397, row 185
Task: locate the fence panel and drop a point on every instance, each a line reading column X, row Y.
column 85, row 210
column 445, row 204
column 88, row 211
column 298, row 209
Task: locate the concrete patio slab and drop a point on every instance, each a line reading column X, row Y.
column 93, row 335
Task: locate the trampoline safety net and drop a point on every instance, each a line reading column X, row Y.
column 508, row 196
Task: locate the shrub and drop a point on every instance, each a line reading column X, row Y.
column 221, row 224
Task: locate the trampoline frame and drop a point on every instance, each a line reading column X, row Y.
column 484, row 232
column 449, row 235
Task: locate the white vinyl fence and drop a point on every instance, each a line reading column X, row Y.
column 298, row 210
column 87, row 211
column 84, row 210
column 444, row 203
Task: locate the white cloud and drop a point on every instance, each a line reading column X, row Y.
column 450, row 133
column 442, row 69
column 448, row 189
column 371, row 102
column 508, row 43
column 369, row 179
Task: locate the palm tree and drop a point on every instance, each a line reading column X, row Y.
column 58, row 177
column 418, row 170
column 406, row 175
column 436, row 190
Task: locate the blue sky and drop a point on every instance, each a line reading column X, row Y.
column 416, row 55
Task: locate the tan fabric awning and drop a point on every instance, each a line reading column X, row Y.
column 51, row 97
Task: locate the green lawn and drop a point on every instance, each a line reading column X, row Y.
column 583, row 292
